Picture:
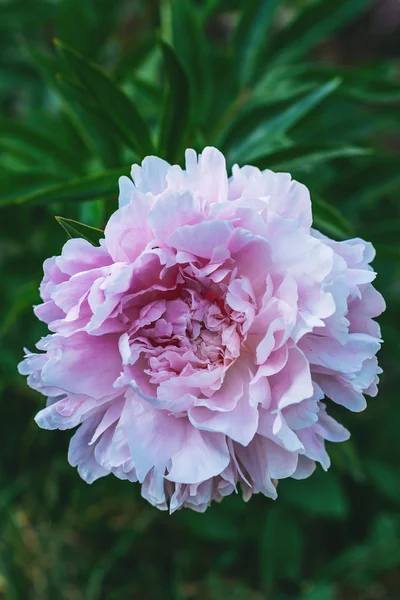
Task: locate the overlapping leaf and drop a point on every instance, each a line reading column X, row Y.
column 75, row 229
column 110, row 101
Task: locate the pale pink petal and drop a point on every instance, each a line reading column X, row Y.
column 151, row 176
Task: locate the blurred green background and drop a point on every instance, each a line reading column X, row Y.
column 310, row 87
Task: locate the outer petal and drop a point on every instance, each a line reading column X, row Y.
column 151, row 176
column 208, row 176
column 203, row 455
column 293, row 383
column 127, row 232
column 153, row 435
column 81, row 454
column 93, row 361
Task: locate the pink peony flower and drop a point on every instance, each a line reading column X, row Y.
column 194, row 346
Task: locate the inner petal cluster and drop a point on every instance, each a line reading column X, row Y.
column 192, row 336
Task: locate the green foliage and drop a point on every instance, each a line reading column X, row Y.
column 312, row 25
column 250, row 38
column 270, row 125
column 110, row 102
column 176, row 109
column 74, row 229
column 249, row 77
column 85, row 188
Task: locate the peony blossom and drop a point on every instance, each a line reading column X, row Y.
column 196, row 346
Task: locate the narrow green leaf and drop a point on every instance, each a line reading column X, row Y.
column 346, row 458
column 14, row 184
column 111, row 101
column 368, row 84
column 79, row 230
column 93, row 212
column 39, row 146
column 176, row 107
column 322, row 495
column 329, row 220
column 17, row 13
column 78, row 25
column 25, row 296
column 191, row 45
column 377, row 91
column 303, row 106
column 319, row 591
column 86, row 188
column 283, row 82
column 96, row 130
column 166, row 21
column 224, row 527
column 250, row 39
column 207, row 8
column 390, row 252
column 361, row 564
column 306, row 157
column 281, row 546
column 385, row 477
column 118, row 549
column 254, row 108
column 374, row 183
column 131, row 60
column 312, row 26
column 387, row 230
column 274, row 124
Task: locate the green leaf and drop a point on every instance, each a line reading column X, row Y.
column 78, row 230
column 15, row 13
column 176, row 107
column 389, row 252
column 93, row 212
column 250, row 38
column 319, row 591
column 15, row 184
column 374, row 183
column 368, row 84
column 329, row 220
column 377, row 91
column 130, row 61
column 282, row 83
column 281, row 546
column 191, row 45
column 79, row 24
column 215, row 527
column 14, row 135
column 387, row 230
column 115, row 553
column 346, row 458
column 312, row 26
column 386, row 479
column 362, row 563
column 320, row 495
column 305, row 158
column 268, row 135
column 94, row 128
column 111, row 101
column 26, row 296
column 86, row 188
